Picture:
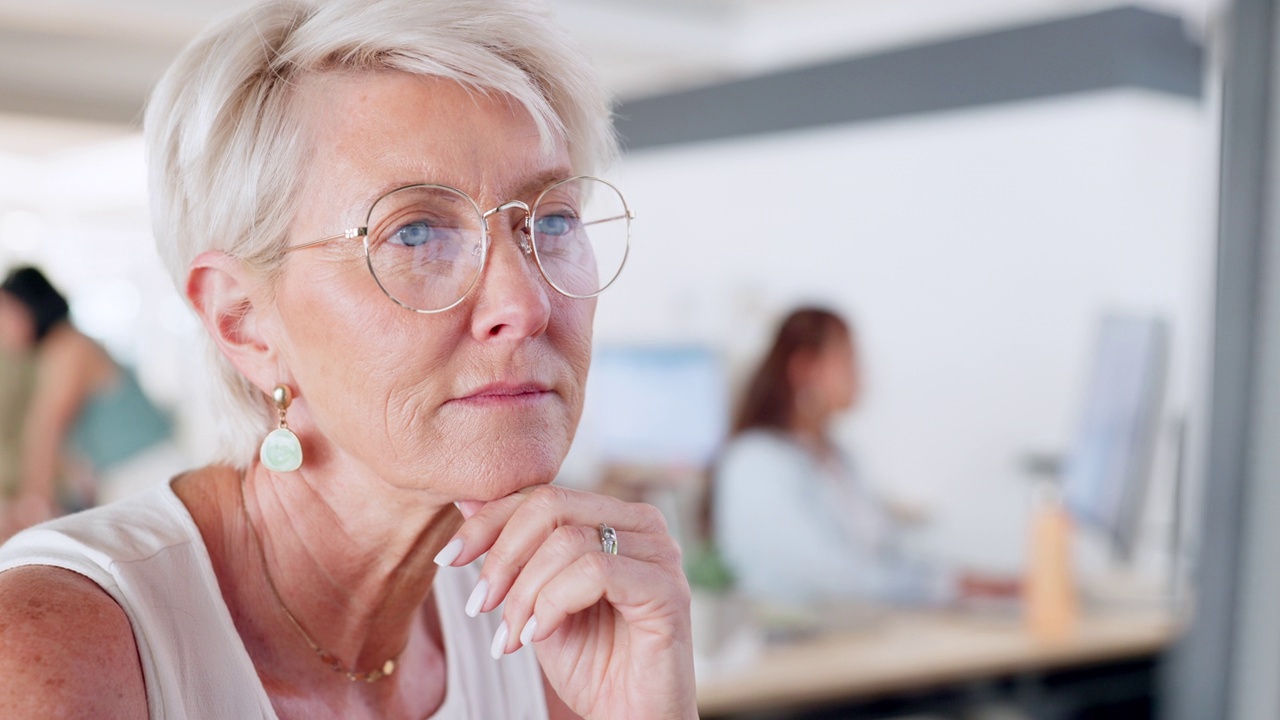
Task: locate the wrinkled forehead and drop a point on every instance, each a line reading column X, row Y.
column 367, row 133
column 384, row 129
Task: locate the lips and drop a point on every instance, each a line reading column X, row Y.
column 506, row 391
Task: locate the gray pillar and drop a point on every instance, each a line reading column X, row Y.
column 1228, row 664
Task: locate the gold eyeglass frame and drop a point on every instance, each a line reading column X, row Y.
column 526, row 241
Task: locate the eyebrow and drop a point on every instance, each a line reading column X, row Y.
column 535, row 184
column 543, row 180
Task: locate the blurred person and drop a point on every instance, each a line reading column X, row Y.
column 82, row 401
column 794, row 519
column 16, row 378
column 379, row 210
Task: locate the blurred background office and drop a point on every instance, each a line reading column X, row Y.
column 1044, row 216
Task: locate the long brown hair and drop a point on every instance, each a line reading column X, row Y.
column 770, row 397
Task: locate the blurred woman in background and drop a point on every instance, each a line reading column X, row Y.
column 15, row 389
column 82, row 401
column 791, row 515
column 793, row 518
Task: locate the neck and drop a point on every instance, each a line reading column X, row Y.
column 351, row 560
column 810, row 427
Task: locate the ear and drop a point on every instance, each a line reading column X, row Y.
column 223, row 295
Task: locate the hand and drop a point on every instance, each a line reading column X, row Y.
column 611, row 631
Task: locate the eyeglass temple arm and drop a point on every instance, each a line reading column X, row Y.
column 628, row 215
column 348, row 234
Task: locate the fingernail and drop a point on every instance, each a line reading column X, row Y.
column 449, row 553
column 499, row 641
column 526, row 635
column 476, row 601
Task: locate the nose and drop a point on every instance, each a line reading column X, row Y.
column 512, row 299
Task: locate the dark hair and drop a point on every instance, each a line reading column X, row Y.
column 770, row 398
column 30, row 287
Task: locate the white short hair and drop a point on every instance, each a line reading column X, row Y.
column 226, row 150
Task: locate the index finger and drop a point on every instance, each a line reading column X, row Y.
column 549, row 507
column 466, row 546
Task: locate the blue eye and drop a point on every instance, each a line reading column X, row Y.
column 555, row 225
column 414, row 234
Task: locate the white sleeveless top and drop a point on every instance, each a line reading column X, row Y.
column 147, row 553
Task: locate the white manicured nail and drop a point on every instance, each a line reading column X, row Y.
column 530, row 627
column 449, row 553
column 499, row 641
column 478, row 596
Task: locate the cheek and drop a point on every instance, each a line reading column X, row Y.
column 842, row 380
column 356, row 354
column 572, row 328
column 375, row 377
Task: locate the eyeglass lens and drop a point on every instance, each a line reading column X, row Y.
column 426, row 243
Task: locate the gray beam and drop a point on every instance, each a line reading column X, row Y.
column 1125, row 47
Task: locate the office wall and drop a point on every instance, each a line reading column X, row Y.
column 974, row 249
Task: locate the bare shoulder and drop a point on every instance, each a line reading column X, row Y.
column 65, row 347
column 66, row 649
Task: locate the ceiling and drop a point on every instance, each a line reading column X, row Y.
column 78, row 71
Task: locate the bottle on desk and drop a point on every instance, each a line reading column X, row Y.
column 1051, row 603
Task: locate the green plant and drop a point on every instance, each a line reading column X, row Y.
column 706, row 569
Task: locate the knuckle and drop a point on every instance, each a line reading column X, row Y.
column 597, row 566
column 547, row 606
column 567, row 539
column 670, row 552
column 548, row 496
column 519, row 596
column 652, row 517
column 541, row 509
column 499, row 558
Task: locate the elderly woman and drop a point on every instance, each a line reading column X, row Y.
column 381, row 212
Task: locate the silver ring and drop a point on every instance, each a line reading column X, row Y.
column 608, row 539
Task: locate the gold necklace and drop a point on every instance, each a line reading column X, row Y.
column 388, row 667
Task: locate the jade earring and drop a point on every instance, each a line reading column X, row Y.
column 281, row 451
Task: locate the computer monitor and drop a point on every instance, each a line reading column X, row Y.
column 656, row 405
column 1106, row 470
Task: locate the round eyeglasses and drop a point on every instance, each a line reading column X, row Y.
column 426, row 245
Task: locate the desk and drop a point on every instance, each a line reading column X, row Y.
column 909, row 652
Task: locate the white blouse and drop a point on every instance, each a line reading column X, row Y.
column 798, row 531
column 147, row 553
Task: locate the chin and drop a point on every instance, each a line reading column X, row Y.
column 479, row 453
column 489, row 470
column 498, row 479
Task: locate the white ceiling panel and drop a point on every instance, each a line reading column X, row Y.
column 93, row 61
